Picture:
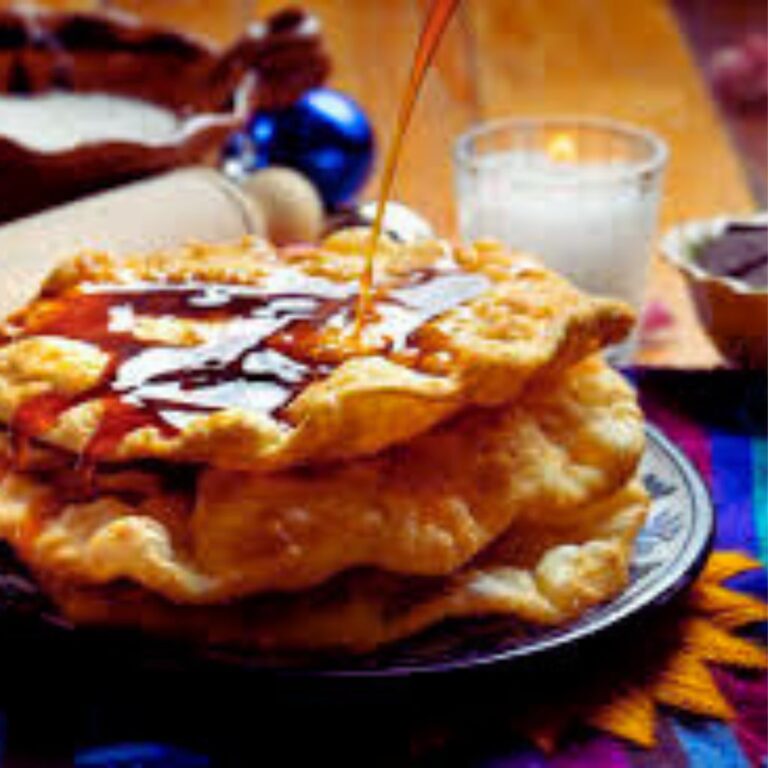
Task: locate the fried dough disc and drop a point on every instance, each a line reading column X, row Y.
column 426, row 507
column 524, row 319
column 536, row 573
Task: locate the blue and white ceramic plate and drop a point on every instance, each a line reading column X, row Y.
column 669, row 552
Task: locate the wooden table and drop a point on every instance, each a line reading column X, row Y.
column 627, row 60
column 522, row 57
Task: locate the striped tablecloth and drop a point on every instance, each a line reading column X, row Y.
column 718, row 419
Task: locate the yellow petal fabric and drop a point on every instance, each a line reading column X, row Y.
column 704, row 633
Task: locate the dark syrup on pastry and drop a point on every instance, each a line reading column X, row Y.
column 266, row 345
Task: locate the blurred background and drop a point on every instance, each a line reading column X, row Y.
column 692, row 71
column 656, row 62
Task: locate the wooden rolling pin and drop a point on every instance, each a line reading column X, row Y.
column 167, row 210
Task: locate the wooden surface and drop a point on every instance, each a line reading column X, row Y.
column 527, row 57
column 622, row 59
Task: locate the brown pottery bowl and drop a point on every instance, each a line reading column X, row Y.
column 210, row 91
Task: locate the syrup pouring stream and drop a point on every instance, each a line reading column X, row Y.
column 282, row 347
column 438, row 16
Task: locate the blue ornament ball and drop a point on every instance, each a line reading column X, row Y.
column 325, row 135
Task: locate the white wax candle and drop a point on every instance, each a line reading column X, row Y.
column 592, row 223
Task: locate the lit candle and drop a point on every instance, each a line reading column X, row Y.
column 588, row 208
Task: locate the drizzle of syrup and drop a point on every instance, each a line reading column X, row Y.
column 270, row 342
column 438, row 16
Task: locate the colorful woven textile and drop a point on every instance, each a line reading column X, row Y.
column 719, row 421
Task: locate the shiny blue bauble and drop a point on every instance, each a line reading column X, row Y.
column 325, row 135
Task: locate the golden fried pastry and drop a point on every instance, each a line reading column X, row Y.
column 241, row 357
column 426, row 507
column 536, row 573
column 212, row 443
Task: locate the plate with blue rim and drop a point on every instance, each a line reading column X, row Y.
column 668, row 553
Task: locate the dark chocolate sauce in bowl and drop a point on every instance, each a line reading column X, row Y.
column 740, row 252
column 266, row 344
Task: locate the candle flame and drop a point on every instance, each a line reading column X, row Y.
column 561, row 148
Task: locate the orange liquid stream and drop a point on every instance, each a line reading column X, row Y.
column 85, row 316
column 438, row 16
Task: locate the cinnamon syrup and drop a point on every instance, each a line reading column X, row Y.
column 269, row 342
column 438, row 16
